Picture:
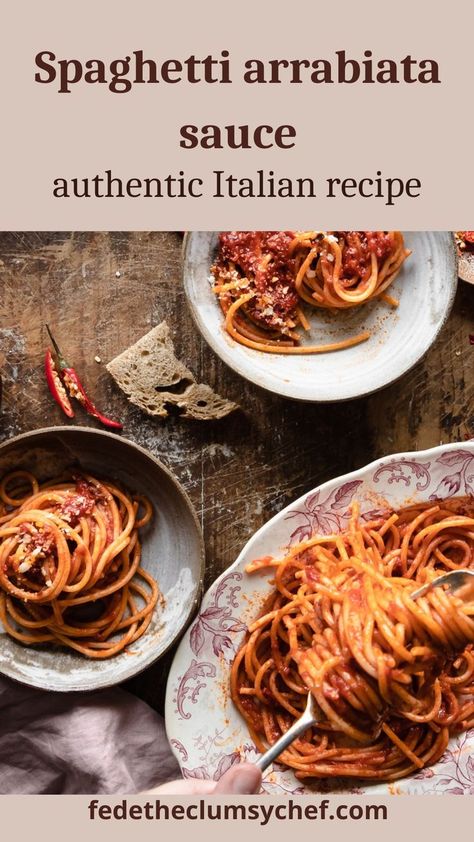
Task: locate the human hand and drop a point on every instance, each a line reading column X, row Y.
column 241, row 779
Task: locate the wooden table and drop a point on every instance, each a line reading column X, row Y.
column 101, row 291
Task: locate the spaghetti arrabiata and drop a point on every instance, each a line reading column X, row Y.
column 264, row 279
column 70, row 569
column 393, row 677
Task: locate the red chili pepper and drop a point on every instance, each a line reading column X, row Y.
column 56, row 386
column 64, row 383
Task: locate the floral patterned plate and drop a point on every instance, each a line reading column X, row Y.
column 206, row 733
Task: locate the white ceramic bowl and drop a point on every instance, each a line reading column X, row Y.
column 172, row 551
column 399, row 338
column 206, row 732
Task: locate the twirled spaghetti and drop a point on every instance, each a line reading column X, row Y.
column 393, row 677
column 70, row 569
column 263, row 279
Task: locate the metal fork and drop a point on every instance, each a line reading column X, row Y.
column 454, row 580
column 308, row 718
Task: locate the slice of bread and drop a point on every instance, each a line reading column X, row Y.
column 155, row 380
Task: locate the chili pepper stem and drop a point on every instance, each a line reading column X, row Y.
column 61, row 360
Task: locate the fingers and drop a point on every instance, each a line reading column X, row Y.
column 242, row 779
column 188, row 786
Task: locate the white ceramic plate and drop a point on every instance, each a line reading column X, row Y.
column 206, row 732
column 399, row 338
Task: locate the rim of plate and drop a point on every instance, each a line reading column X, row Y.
column 214, row 344
column 197, row 598
column 413, row 455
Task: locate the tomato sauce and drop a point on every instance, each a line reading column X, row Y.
column 265, row 257
column 468, row 237
column 80, row 504
column 358, row 248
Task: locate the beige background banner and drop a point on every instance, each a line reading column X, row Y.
column 54, row 817
column 405, row 131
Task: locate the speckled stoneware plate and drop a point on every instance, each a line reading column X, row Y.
column 172, row 551
column 399, row 338
column 206, row 732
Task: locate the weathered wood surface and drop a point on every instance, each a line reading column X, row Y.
column 102, row 291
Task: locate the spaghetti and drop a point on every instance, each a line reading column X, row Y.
column 393, row 677
column 70, row 570
column 263, row 279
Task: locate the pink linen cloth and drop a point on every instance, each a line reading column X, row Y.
column 96, row 743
